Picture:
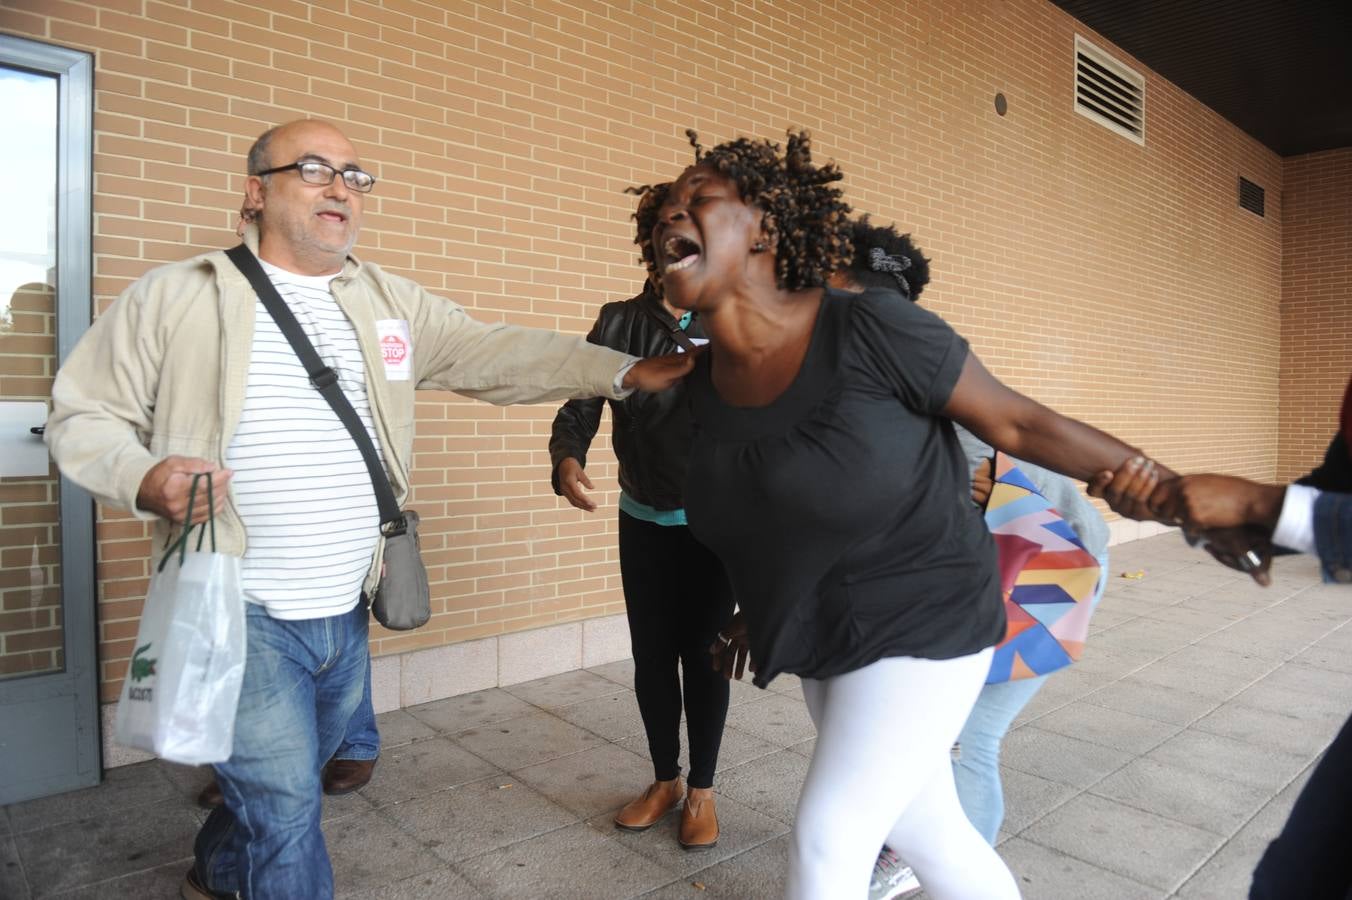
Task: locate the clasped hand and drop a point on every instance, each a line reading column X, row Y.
column 1232, row 518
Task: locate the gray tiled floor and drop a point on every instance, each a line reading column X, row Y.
column 1158, row 767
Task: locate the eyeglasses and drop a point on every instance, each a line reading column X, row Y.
column 322, row 173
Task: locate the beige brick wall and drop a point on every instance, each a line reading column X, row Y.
column 1116, row 282
column 1316, row 304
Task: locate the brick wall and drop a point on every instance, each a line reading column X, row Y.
column 1316, row 356
column 1116, row 282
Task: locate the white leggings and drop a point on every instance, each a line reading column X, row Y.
column 882, row 773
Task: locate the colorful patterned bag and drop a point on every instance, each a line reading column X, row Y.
column 1047, row 577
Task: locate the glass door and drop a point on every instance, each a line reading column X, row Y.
column 49, row 731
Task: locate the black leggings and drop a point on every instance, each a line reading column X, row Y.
column 677, row 597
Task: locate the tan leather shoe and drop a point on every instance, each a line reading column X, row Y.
column 699, row 821
column 343, row 776
column 659, row 799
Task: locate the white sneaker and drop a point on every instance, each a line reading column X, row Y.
column 891, row 877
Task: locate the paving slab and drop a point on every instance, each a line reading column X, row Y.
column 1115, row 730
column 1220, row 757
column 441, row 884
column 163, row 881
column 105, row 846
column 597, row 780
column 1047, row 874
column 421, row 768
column 370, row 850
column 1229, row 873
column 524, row 741
column 757, row 873
column 1028, row 798
column 1138, row 845
column 474, row 818
column 1143, row 699
column 123, row 789
column 573, row 863
column 781, row 719
column 399, row 726
column 13, row 884
column 770, row 785
column 612, row 716
column 1181, row 795
column 564, row 689
column 1284, row 730
column 470, row 710
column 1056, row 757
column 621, row 671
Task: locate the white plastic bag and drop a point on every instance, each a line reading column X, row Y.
column 181, row 690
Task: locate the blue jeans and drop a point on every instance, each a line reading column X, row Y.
column 976, row 772
column 302, row 683
column 362, row 740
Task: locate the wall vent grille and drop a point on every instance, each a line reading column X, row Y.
column 1109, row 92
column 1251, row 196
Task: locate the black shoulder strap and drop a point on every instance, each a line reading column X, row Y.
column 322, row 377
column 680, row 337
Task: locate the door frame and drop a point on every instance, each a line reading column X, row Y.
column 74, row 690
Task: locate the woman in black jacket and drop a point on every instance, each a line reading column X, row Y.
column 676, row 594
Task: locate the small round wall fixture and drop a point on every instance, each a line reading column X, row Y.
column 1001, row 104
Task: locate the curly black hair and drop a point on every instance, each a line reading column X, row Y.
column 805, row 217
column 650, row 199
column 883, row 257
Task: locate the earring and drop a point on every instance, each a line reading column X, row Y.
column 759, row 247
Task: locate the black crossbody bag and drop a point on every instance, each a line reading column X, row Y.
column 403, row 599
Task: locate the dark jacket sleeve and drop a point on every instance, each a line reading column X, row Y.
column 1335, row 472
column 576, row 423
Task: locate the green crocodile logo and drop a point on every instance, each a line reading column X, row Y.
column 141, row 667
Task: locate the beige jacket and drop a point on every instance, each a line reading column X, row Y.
column 163, row 373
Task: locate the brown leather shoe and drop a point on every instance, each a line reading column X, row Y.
column 343, row 776
column 699, row 822
column 659, row 799
column 210, row 797
column 193, row 889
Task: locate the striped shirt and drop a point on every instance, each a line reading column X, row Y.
column 300, row 484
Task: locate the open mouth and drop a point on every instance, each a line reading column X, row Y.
column 679, row 253
column 332, row 215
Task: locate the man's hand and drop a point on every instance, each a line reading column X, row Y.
column 572, row 480
column 1246, row 549
column 657, row 373
column 1204, row 502
column 164, row 489
column 731, row 651
column 1129, row 489
column 983, row 482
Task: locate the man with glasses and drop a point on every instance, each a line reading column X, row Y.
column 187, row 373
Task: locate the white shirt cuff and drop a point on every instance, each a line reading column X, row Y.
column 1295, row 526
column 618, row 384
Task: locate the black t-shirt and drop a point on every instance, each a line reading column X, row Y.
column 841, row 510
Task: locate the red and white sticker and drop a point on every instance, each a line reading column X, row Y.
column 396, row 349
